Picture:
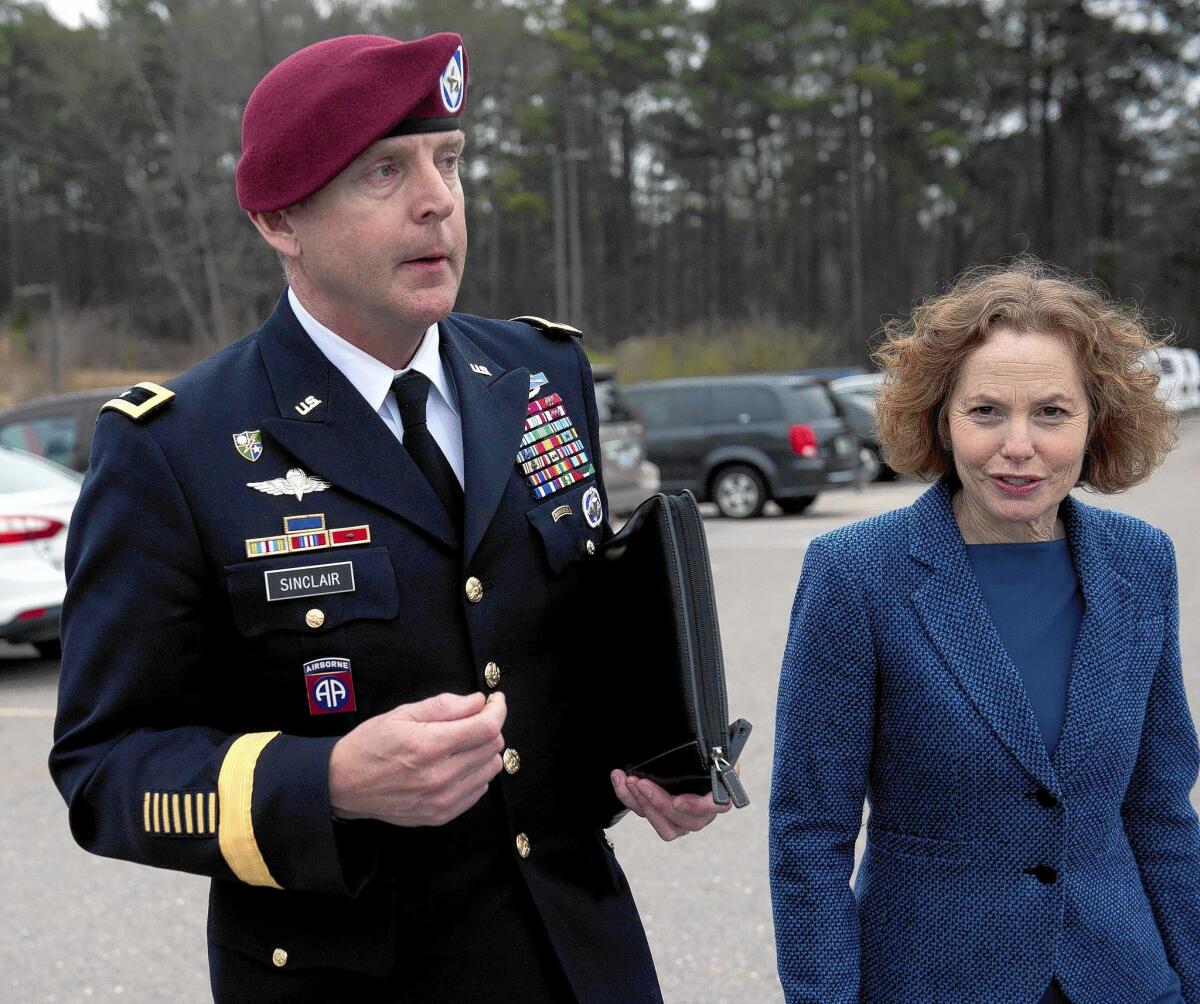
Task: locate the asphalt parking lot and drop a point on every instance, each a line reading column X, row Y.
column 78, row 928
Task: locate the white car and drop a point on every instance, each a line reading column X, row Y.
column 36, row 500
column 863, row 384
column 1172, row 368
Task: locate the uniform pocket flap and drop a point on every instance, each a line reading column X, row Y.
column 313, row 592
column 564, row 522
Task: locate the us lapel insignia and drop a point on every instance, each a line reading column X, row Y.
column 248, row 444
column 307, row 533
column 480, row 369
column 295, row 482
column 536, row 382
column 307, row 405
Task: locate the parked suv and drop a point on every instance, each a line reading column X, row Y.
column 741, row 440
column 629, row 478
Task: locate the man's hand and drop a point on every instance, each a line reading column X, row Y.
column 671, row 815
column 419, row 764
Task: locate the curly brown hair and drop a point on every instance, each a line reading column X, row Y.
column 1131, row 430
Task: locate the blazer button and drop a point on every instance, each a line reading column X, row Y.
column 279, row 958
column 474, row 589
column 1044, row 874
column 491, row 674
column 512, row 760
column 1045, row 799
column 522, row 843
column 314, row 618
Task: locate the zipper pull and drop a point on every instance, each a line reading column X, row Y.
column 726, row 784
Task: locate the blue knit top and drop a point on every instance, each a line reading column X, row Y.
column 1032, row 594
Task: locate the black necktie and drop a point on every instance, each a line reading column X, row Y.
column 412, row 392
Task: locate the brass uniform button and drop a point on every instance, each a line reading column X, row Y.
column 522, row 845
column 314, row 618
column 474, row 589
column 512, row 760
column 491, row 674
column 279, row 958
column 591, row 546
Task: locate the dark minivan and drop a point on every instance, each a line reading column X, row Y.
column 740, row 440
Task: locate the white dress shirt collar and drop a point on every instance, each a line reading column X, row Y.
column 368, row 375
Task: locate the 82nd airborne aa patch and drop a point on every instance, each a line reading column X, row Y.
column 330, row 686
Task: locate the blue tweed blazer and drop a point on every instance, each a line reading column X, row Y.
column 989, row 866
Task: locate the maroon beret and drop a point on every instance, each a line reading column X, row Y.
column 324, row 105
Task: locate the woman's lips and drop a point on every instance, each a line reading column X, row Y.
column 1014, row 485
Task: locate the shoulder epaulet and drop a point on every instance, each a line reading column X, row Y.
column 550, row 327
column 140, row 401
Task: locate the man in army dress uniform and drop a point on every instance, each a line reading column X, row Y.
column 324, row 614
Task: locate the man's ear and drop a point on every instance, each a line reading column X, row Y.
column 277, row 230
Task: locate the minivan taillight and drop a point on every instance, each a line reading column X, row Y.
column 20, row 529
column 804, row 441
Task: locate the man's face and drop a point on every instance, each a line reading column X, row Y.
column 382, row 246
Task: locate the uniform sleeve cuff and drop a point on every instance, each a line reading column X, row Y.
column 293, row 820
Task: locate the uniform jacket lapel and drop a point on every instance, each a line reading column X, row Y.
column 954, row 614
column 1102, row 649
column 493, row 407
column 341, row 439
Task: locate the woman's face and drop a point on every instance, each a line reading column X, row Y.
column 1018, row 418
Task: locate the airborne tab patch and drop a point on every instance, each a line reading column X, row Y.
column 140, row 401
column 552, row 328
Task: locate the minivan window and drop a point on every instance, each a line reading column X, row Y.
column 666, row 407
column 742, row 403
column 811, row 401
column 610, row 403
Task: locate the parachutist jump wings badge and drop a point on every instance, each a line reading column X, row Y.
column 295, row 482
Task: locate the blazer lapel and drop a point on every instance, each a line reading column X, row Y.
column 493, row 406
column 952, row 609
column 1105, row 635
column 340, row 438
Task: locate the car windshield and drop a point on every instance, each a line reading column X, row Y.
column 22, row 472
column 610, row 403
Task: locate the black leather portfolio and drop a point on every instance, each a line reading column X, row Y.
column 661, row 644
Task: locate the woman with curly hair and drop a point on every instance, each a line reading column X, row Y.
column 996, row 671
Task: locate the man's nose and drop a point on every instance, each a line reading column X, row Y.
column 433, row 196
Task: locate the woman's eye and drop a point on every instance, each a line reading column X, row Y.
column 1052, row 411
column 983, row 410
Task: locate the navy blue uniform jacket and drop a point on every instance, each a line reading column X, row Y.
column 185, row 736
column 989, row 866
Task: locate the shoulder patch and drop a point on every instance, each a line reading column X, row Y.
column 140, row 401
column 552, row 328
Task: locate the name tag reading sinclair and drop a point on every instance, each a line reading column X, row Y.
column 310, row 580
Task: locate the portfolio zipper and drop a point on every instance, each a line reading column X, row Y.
column 712, row 723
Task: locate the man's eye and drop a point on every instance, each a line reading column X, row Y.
column 385, row 171
column 984, row 410
column 1053, row 411
column 450, row 162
